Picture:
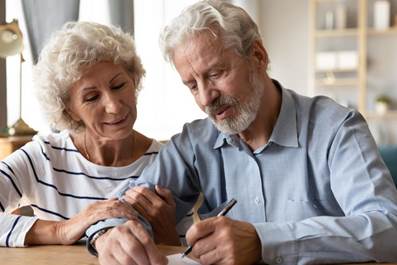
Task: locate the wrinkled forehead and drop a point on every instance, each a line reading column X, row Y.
column 199, row 46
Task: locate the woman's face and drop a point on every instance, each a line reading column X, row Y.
column 103, row 99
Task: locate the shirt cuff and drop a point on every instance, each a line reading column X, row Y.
column 277, row 242
column 16, row 229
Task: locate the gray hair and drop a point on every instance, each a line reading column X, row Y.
column 237, row 28
column 69, row 51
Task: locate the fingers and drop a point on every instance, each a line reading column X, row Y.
column 148, row 203
column 129, row 244
column 139, row 202
column 200, row 230
column 143, row 196
column 211, row 257
column 150, row 248
column 204, row 246
column 238, row 239
column 110, row 209
column 165, row 194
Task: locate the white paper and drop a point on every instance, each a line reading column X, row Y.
column 177, row 259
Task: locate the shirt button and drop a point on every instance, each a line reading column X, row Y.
column 278, row 260
column 257, row 201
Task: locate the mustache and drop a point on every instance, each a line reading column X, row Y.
column 219, row 103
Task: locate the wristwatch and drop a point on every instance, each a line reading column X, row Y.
column 91, row 241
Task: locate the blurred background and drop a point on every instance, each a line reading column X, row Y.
column 344, row 49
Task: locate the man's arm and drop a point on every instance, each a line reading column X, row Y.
column 365, row 192
column 172, row 169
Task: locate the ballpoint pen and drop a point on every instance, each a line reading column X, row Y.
column 223, row 212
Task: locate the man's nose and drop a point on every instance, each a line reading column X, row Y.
column 207, row 94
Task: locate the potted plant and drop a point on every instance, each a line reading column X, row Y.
column 382, row 104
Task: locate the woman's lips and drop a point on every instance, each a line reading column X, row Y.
column 117, row 122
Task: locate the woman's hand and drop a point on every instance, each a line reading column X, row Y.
column 159, row 209
column 69, row 231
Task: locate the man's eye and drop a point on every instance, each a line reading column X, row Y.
column 215, row 74
column 193, row 88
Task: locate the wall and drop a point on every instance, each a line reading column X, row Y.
column 3, row 91
column 285, row 31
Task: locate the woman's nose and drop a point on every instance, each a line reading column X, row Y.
column 112, row 104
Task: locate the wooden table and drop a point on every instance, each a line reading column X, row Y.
column 67, row 255
column 59, row 255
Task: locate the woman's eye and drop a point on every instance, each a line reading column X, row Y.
column 91, row 98
column 118, row 86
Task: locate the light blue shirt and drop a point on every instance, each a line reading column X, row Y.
column 317, row 192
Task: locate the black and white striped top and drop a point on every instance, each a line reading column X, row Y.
column 51, row 176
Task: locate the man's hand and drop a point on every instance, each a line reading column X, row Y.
column 221, row 240
column 158, row 207
column 128, row 244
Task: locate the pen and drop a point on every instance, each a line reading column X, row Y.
column 223, row 212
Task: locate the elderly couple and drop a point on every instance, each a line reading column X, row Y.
column 310, row 184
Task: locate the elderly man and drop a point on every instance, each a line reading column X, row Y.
column 310, row 185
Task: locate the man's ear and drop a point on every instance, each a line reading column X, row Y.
column 258, row 52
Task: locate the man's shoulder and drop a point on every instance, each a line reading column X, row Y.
column 201, row 129
column 321, row 110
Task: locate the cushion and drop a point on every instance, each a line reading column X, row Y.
column 389, row 155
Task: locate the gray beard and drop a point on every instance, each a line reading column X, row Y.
column 246, row 111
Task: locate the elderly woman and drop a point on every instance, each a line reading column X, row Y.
column 87, row 80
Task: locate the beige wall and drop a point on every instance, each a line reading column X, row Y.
column 285, row 31
column 3, row 94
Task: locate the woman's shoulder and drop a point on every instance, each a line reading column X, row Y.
column 52, row 142
column 154, row 147
column 52, row 137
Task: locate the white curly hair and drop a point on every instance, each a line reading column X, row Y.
column 236, row 27
column 68, row 52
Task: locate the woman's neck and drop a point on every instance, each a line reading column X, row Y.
column 115, row 153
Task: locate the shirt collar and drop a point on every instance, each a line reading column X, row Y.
column 285, row 132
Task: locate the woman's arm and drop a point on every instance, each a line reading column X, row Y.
column 69, row 231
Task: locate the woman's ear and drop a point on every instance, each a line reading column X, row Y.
column 71, row 113
column 258, row 52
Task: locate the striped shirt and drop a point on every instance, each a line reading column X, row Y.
column 57, row 181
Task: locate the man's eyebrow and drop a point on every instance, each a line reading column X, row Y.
column 188, row 82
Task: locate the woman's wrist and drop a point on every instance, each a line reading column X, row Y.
column 42, row 232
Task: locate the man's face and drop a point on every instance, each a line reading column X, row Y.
column 224, row 84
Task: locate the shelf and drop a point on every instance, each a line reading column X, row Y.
column 391, row 114
column 336, row 71
column 325, row 1
column 377, row 32
column 336, row 33
column 337, row 82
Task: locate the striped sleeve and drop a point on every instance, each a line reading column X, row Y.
column 13, row 229
column 14, row 179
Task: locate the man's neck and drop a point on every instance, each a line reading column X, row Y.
column 260, row 130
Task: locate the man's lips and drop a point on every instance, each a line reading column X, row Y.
column 223, row 112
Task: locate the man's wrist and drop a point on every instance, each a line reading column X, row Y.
column 92, row 240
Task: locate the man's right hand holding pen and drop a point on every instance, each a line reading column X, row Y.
column 221, row 240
